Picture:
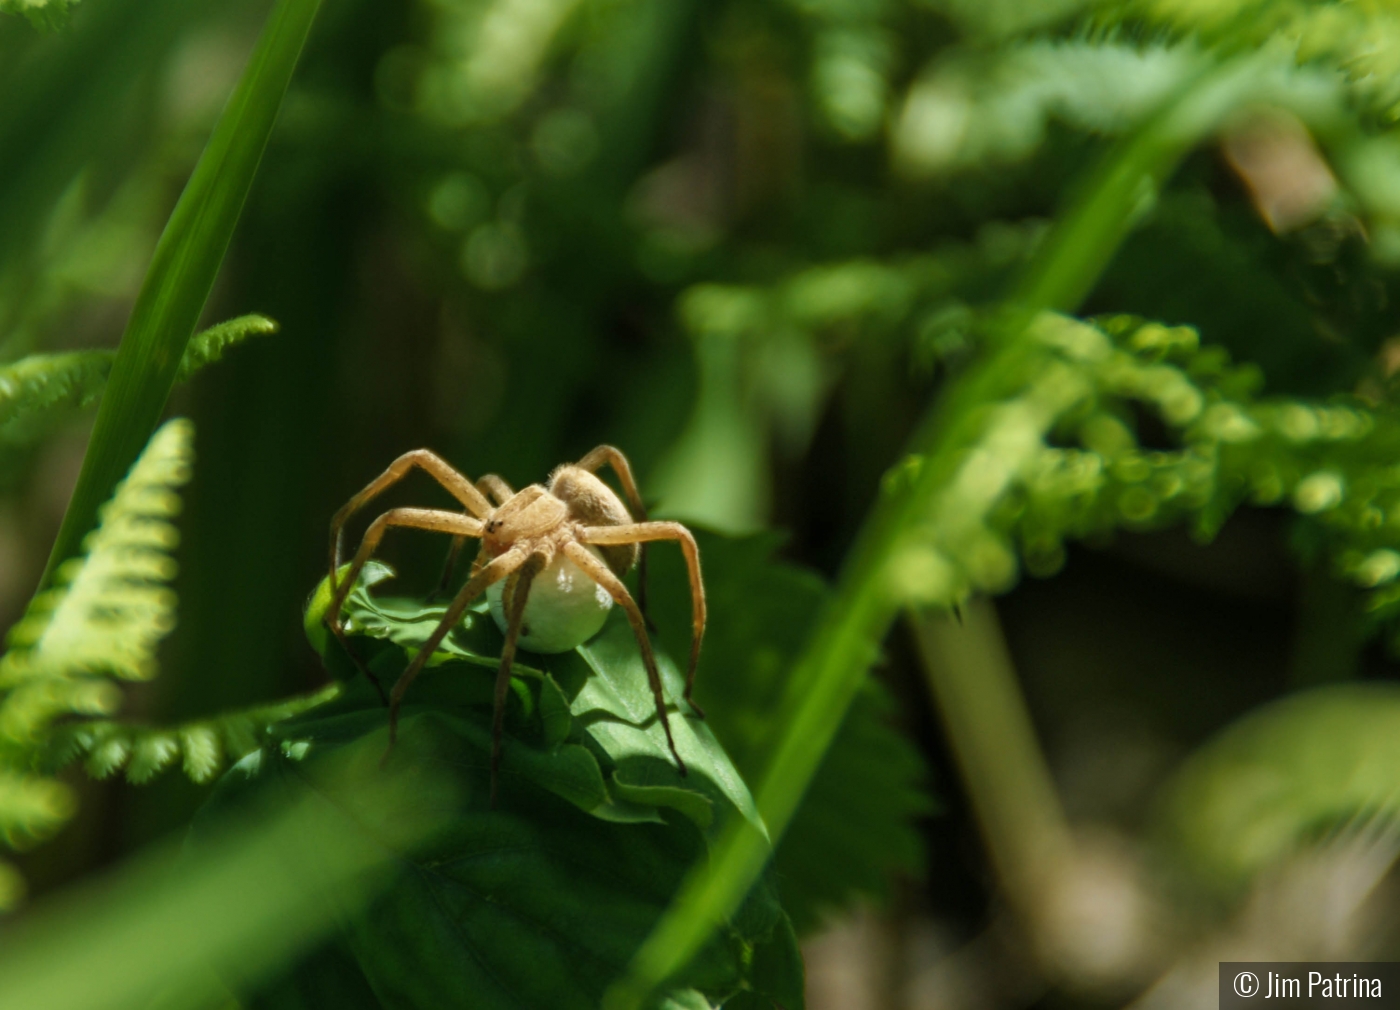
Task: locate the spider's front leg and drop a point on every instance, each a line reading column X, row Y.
column 423, row 519
column 495, row 570
column 430, row 462
column 500, row 492
column 517, row 592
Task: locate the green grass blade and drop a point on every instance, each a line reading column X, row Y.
column 846, row 639
column 182, row 271
column 262, row 890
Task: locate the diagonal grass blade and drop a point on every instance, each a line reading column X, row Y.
column 182, row 272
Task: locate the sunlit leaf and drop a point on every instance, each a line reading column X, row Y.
column 541, row 901
column 856, row 827
column 603, row 681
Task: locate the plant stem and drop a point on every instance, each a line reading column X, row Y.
column 182, row 272
column 994, row 744
column 846, row 638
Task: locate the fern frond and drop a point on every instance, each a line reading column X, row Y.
column 204, row 746
column 49, row 382
column 32, row 808
column 1359, row 39
column 835, row 303
column 1296, row 770
column 110, row 608
column 208, row 346
column 103, row 617
column 1015, row 496
column 107, row 610
column 972, row 109
column 41, row 389
column 976, row 108
column 1000, row 19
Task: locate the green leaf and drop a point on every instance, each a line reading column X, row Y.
column 776, row 972
column 610, row 707
column 856, row 826
column 536, row 903
column 182, row 272
column 1281, row 776
column 595, row 826
column 617, row 706
column 329, row 977
column 555, row 717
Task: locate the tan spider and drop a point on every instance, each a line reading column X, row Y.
column 575, row 526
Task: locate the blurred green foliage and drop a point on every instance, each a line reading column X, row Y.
column 939, row 288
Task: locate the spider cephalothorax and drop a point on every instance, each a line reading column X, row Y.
column 572, row 538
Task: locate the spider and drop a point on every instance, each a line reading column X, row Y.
column 542, row 535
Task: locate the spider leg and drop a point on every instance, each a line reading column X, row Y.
column 642, row 533
column 447, row 568
column 518, row 501
column 436, row 467
column 608, row 455
column 603, row 575
column 478, row 563
column 517, row 591
column 494, row 571
column 496, row 488
column 424, row 519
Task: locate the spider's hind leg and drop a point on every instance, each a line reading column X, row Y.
column 641, row 533
column 608, row 455
column 603, row 575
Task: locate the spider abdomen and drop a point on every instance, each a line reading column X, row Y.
column 565, row 607
column 593, row 503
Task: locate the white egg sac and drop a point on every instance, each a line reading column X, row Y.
column 565, row 608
